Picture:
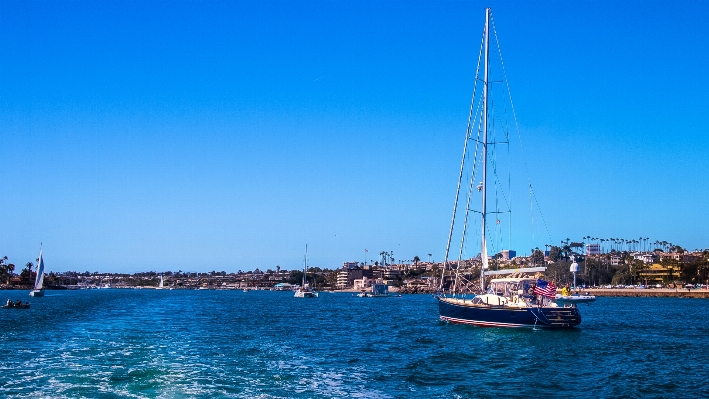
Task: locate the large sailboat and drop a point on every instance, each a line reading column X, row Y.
column 513, row 297
column 39, row 280
column 304, row 291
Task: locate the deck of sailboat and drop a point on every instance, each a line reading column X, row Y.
column 469, row 302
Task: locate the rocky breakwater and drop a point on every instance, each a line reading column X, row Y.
column 417, row 290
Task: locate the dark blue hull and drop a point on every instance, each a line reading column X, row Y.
column 455, row 311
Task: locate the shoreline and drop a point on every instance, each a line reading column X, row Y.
column 649, row 292
column 599, row 292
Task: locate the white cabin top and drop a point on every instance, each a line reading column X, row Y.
column 512, row 279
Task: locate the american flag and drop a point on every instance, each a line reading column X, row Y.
column 544, row 288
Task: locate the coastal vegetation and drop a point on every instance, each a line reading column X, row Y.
column 667, row 265
column 601, row 262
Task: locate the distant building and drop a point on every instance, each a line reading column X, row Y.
column 362, row 283
column 342, row 280
column 593, row 249
column 508, row 254
column 346, row 277
column 391, row 275
column 349, row 265
column 645, row 257
column 615, row 260
column 657, row 273
column 680, row 257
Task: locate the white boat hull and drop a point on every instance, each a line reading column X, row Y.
column 305, row 294
column 575, row 298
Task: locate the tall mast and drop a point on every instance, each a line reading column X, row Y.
column 483, row 248
column 305, row 265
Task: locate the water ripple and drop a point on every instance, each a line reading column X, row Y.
column 230, row 344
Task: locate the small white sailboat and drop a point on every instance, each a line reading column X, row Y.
column 161, row 285
column 304, row 290
column 39, row 280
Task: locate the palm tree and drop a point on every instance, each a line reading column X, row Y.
column 6, row 269
column 28, row 269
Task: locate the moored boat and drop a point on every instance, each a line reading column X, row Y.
column 511, row 302
column 377, row 290
column 304, row 291
column 521, row 300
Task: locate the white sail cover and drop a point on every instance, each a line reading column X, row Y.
column 40, row 273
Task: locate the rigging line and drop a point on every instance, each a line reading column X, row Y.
column 474, row 211
column 540, row 210
column 509, row 179
column 462, row 162
column 508, row 203
column 498, row 182
column 470, row 192
column 493, row 161
column 514, row 115
column 531, row 211
column 506, row 133
column 467, row 206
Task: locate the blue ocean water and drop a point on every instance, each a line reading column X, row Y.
column 232, row 344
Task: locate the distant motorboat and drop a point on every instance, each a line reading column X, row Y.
column 574, row 298
column 39, row 280
column 16, row 305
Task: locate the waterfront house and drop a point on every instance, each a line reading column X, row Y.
column 362, row 283
column 645, row 257
column 615, row 260
column 657, row 273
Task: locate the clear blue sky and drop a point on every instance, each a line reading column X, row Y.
column 217, row 135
